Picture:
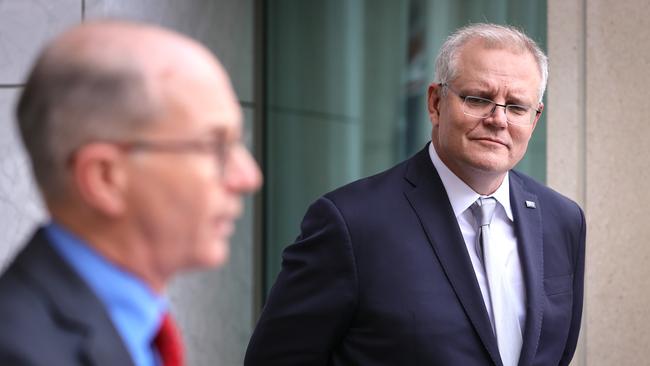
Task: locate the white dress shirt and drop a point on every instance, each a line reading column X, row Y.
column 502, row 231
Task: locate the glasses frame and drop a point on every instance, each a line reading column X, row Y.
column 219, row 147
column 494, row 107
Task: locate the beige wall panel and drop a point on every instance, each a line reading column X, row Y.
column 598, row 154
column 618, row 200
column 565, row 113
column 565, row 99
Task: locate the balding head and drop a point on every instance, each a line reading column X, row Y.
column 104, row 80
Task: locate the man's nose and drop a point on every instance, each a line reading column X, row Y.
column 243, row 173
column 498, row 117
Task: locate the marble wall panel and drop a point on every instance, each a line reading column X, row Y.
column 20, row 204
column 25, row 25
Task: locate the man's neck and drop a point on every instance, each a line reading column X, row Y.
column 118, row 247
column 483, row 183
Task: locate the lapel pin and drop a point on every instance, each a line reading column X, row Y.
column 530, row 204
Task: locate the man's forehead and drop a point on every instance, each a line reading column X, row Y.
column 184, row 117
column 179, row 129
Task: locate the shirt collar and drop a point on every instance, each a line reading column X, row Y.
column 461, row 196
column 133, row 307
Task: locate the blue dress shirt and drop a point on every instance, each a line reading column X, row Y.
column 135, row 310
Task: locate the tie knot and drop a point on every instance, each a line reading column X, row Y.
column 483, row 210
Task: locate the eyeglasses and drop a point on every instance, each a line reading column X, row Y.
column 482, row 108
column 218, row 146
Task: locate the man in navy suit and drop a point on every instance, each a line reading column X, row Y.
column 402, row 269
column 134, row 136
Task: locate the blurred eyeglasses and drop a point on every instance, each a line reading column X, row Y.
column 218, row 146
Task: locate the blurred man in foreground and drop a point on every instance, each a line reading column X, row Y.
column 134, row 134
column 451, row 257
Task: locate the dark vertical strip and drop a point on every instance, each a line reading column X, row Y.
column 260, row 235
column 83, row 10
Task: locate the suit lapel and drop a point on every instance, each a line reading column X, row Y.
column 528, row 228
column 431, row 204
column 74, row 305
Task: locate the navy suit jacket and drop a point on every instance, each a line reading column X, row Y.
column 50, row 317
column 380, row 275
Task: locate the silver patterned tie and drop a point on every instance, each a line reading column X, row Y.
column 506, row 323
column 483, row 211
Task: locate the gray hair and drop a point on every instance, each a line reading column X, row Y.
column 69, row 101
column 494, row 36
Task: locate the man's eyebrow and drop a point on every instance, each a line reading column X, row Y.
column 484, row 91
column 482, row 87
column 520, row 97
column 223, row 133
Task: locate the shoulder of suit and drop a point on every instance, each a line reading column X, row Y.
column 26, row 315
column 32, row 331
column 363, row 188
column 545, row 194
column 22, row 302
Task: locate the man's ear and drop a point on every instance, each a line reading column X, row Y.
column 540, row 108
column 100, row 177
column 433, row 102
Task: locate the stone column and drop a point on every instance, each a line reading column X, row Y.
column 598, row 154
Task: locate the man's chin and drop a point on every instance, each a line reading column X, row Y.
column 219, row 254
column 490, row 163
column 214, row 255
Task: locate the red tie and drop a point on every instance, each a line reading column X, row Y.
column 168, row 342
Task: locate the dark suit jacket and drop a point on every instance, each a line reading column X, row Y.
column 49, row 316
column 380, row 275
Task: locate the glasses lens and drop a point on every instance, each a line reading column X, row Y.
column 519, row 114
column 478, row 107
column 483, row 108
